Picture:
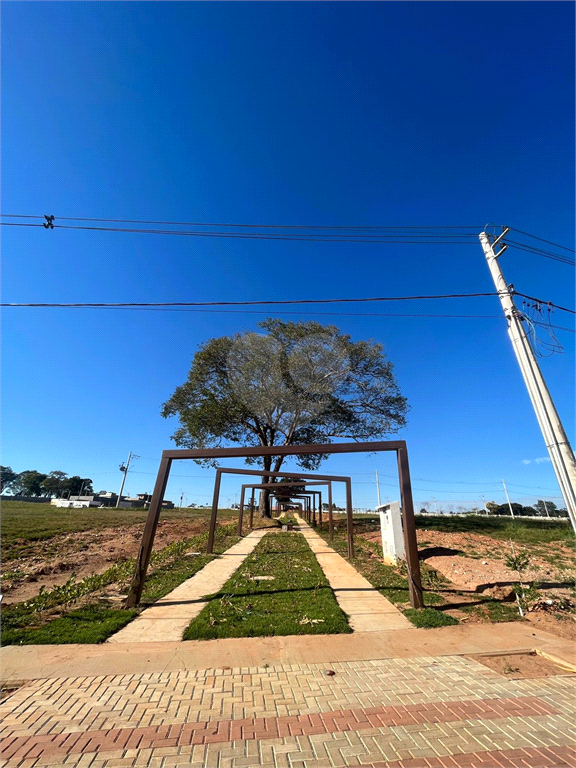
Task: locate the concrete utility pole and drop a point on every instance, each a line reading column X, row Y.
column 123, row 469
column 508, row 498
column 546, row 508
column 559, row 449
column 378, row 489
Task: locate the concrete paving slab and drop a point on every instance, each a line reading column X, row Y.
column 168, row 618
column 31, row 662
column 366, row 608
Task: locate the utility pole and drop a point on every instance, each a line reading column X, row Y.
column 124, row 469
column 435, row 507
column 559, row 449
column 378, row 489
column 508, row 497
column 546, row 508
column 181, row 497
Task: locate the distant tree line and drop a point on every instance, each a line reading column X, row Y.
column 538, row 510
column 33, row 483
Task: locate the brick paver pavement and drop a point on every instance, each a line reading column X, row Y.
column 391, row 713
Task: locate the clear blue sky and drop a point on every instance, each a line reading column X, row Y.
column 360, row 114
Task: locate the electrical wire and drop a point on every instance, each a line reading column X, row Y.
column 268, row 236
column 212, row 224
column 540, row 252
column 520, row 232
column 131, row 304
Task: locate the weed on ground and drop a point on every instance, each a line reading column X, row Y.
column 279, row 590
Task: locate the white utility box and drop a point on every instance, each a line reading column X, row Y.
column 392, row 532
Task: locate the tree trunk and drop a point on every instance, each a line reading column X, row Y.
column 264, row 503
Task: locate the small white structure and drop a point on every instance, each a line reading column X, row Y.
column 392, row 532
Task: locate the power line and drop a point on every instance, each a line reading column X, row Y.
column 270, row 236
column 249, row 303
column 130, row 304
column 542, row 240
column 213, row 224
column 540, row 252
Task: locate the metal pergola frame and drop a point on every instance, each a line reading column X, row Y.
column 299, row 475
column 310, row 449
column 271, row 487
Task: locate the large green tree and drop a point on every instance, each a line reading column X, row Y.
column 29, row 483
column 55, row 484
column 7, row 477
column 292, row 384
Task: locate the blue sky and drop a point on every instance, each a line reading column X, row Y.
column 357, row 114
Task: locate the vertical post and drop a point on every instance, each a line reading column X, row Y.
column 143, row 558
column 320, row 508
column 508, row 499
column 241, row 511
column 546, row 508
column 378, row 490
column 349, row 520
column 330, row 514
column 555, row 438
column 123, row 480
column 212, row 530
column 252, row 508
column 409, row 525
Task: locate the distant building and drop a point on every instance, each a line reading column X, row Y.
column 107, row 499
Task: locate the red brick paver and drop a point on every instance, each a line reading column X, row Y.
column 393, row 713
column 272, row 727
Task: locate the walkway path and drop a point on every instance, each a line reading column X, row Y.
column 168, row 618
column 366, row 608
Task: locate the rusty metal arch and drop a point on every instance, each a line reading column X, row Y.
column 398, row 446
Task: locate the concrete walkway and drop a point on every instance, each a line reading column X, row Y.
column 366, row 608
column 168, row 618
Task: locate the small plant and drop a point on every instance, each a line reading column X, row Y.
column 520, row 562
column 509, row 669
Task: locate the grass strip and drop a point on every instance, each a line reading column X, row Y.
column 278, row 590
column 391, row 584
column 93, row 623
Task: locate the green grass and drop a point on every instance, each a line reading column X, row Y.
column 390, row 583
column 297, row 601
column 427, row 618
column 24, row 523
column 91, row 624
column 493, row 610
column 534, row 531
column 22, row 625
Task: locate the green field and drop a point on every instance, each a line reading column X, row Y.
column 538, row 530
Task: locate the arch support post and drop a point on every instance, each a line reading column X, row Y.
column 143, row 558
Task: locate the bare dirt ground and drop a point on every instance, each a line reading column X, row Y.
column 520, row 665
column 83, row 554
column 474, row 564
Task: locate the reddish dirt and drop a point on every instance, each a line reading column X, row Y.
column 473, row 564
column 83, row 554
column 520, row 665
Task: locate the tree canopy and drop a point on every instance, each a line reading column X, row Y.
column 7, row 477
column 34, row 483
column 293, row 384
